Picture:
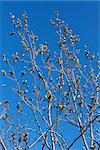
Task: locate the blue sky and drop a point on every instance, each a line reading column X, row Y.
column 82, row 16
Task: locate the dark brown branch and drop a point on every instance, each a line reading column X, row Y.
column 2, row 144
column 82, row 132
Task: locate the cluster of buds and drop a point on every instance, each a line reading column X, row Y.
column 74, row 39
column 61, row 106
column 19, row 108
column 25, row 91
column 49, row 95
column 91, row 73
column 25, row 17
column 23, row 138
column 24, row 45
column 61, row 84
column 52, row 22
column 60, row 74
column 78, row 79
column 19, row 23
column 11, row 72
column 68, row 55
column 12, row 17
column 64, row 30
column 18, row 148
column 92, row 96
column 62, row 43
column 12, row 33
column 33, row 37
column 59, row 61
column 64, row 93
column 20, row 91
column 15, row 56
column 92, row 56
column 5, row 117
column 21, row 35
column 23, row 73
column 67, row 31
column 5, row 59
column 86, row 52
column 13, row 137
column 76, row 60
column 44, row 48
column 3, row 72
column 24, row 82
column 58, row 21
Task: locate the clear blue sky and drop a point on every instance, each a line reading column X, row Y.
column 82, row 16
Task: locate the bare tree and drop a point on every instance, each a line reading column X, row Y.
column 55, row 89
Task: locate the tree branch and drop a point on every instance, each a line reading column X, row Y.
column 2, row 144
column 82, row 132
